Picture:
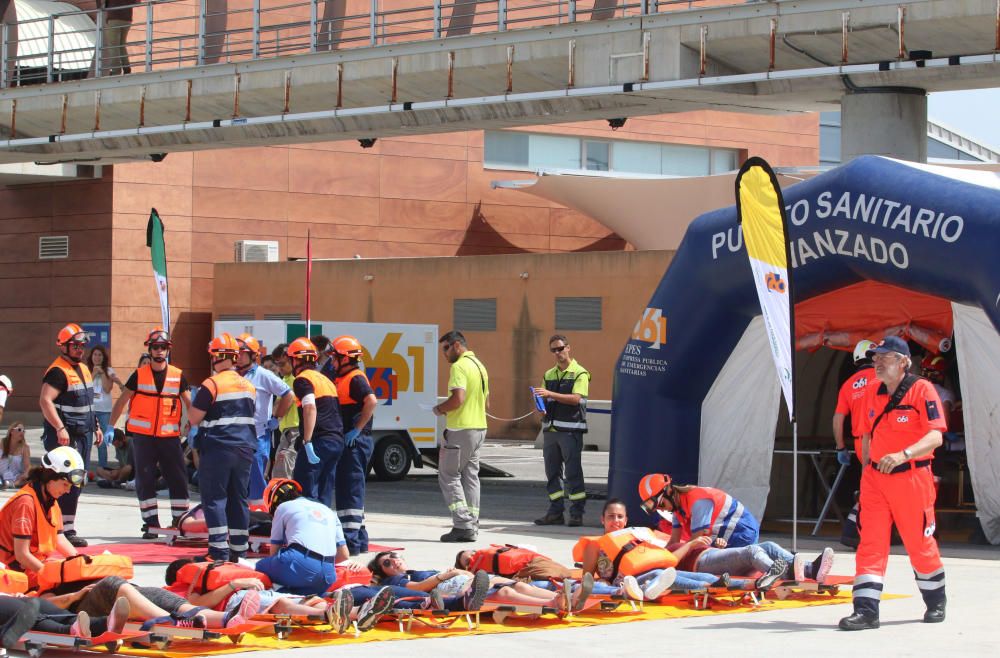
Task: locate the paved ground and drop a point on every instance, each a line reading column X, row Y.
column 410, row 514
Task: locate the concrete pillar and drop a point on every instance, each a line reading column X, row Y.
column 890, row 123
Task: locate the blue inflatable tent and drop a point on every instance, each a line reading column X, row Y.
column 696, row 395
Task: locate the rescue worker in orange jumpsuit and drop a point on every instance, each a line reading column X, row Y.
column 67, row 404
column 155, row 394
column 699, row 511
column 851, row 400
column 357, row 407
column 226, row 440
column 903, row 426
column 321, row 431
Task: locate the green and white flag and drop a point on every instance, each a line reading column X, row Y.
column 158, row 253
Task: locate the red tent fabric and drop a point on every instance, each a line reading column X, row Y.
column 873, row 310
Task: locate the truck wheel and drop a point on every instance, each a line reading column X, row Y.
column 392, row 458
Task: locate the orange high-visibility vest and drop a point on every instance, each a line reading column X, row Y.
column 153, row 413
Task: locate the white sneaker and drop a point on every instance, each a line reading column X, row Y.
column 660, row 584
column 799, row 568
column 631, row 589
column 130, row 485
column 822, row 569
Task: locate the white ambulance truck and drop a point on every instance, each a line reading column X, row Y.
column 401, row 363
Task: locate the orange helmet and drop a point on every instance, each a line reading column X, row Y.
column 71, row 333
column 223, row 345
column 651, row 488
column 302, row 348
column 248, row 343
column 348, row 346
column 277, row 490
column 158, row 336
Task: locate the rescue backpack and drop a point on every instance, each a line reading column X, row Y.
column 499, row 560
column 83, row 568
column 203, row 577
column 13, row 582
column 345, row 577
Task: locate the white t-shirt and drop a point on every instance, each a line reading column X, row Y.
column 3, row 398
column 102, row 400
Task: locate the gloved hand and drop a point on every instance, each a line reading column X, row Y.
column 193, row 436
column 272, row 423
column 311, row 453
column 843, row 457
column 351, row 436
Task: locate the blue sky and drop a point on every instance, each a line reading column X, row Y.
column 970, row 112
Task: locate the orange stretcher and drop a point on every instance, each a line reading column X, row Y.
column 703, row 598
column 505, row 612
column 35, row 643
column 284, row 623
column 160, row 636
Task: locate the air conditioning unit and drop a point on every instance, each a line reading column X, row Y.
column 256, row 251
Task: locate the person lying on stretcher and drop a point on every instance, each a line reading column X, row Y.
column 20, row 614
column 645, row 574
column 767, row 561
column 473, row 589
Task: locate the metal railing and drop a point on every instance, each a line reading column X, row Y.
column 166, row 34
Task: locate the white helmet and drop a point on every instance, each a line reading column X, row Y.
column 861, row 350
column 6, row 383
column 65, row 461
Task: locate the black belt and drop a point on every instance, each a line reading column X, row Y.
column 902, row 468
column 313, row 554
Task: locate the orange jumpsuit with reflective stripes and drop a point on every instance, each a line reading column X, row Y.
column 904, row 496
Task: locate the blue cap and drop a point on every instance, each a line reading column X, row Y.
column 890, row 344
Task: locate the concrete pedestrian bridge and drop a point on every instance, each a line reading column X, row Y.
column 243, row 73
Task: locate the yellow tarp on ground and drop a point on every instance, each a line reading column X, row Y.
column 314, row 636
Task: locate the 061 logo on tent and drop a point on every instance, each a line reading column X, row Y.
column 651, row 328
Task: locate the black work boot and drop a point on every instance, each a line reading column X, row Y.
column 859, row 621
column 458, row 535
column 551, row 519
column 935, row 612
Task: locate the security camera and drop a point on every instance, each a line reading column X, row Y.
column 367, row 142
column 617, row 123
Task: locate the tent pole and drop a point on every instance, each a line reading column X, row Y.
column 795, row 486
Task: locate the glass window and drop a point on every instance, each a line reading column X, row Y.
column 637, row 157
column 597, row 156
column 505, row 149
column 550, row 152
column 682, row 160
column 829, row 144
column 723, row 160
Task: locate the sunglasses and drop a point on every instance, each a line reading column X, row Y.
column 556, row 350
column 651, row 505
column 77, row 344
column 387, row 560
column 17, row 429
column 159, row 347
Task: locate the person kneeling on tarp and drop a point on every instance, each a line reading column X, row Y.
column 306, row 541
column 641, row 575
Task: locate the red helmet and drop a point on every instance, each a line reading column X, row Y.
column 278, row 488
column 71, row 333
column 302, row 348
column 248, row 343
column 224, row 345
column 933, row 364
column 158, row 336
column 348, row 346
column 651, row 488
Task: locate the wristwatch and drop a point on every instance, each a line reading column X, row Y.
column 907, row 453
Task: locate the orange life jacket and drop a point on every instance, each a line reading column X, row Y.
column 504, row 561
column 581, row 545
column 202, row 577
column 13, row 582
column 83, row 568
column 153, row 413
column 631, row 555
column 346, row 577
column 46, row 527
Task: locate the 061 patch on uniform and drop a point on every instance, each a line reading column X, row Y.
column 932, row 410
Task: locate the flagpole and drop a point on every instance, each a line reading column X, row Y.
column 308, row 283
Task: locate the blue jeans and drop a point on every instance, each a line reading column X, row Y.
column 104, row 420
column 258, row 481
column 600, row 588
column 296, row 573
column 743, row 561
